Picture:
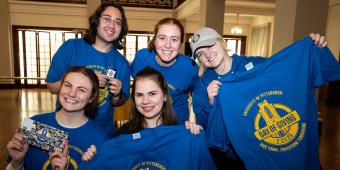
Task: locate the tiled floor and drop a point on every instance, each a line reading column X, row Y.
column 16, row 104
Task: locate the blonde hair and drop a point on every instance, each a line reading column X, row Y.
column 202, row 68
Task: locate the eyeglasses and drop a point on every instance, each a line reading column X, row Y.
column 109, row 20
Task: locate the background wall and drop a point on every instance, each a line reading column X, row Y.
column 48, row 14
column 333, row 27
column 5, row 45
column 145, row 19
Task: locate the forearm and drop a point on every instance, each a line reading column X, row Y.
column 118, row 100
column 54, row 87
column 14, row 165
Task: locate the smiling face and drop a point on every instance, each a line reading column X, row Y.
column 110, row 25
column 75, row 92
column 212, row 57
column 149, row 100
column 167, row 42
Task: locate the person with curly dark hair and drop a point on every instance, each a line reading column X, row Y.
column 98, row 52
column 94, row 22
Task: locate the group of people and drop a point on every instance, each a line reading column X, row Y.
column 91, row 77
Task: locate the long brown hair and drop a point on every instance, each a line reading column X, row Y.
column 137, row 121
column 174, row 21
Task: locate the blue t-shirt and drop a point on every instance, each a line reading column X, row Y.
column 76, row 52
column 181, row 78
column 200, row 100
column 163, row 147
column 270, row 111
column 78, row 141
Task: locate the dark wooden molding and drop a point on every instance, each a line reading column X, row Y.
column 62, row 1
column 161, row 4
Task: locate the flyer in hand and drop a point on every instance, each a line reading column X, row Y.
column 43, row 136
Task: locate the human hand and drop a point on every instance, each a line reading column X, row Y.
column 90, row 153
column 115, row 86
column 17, row 148
column 194, row 128
column 319, row 40
column 58, row 159
column 212, row 90
column 102, row 79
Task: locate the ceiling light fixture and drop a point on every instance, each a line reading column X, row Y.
column 236, row 29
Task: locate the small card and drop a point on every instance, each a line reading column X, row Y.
column 249, row 66
column 111, row 73
column 43, row 136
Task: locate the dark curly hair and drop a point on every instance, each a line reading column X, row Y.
column 91, row 33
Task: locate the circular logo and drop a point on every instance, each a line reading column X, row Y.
column 196, row 38
column 276, row 124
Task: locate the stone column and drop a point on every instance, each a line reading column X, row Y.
column 6, row 67
column 295, row 19
column 212, row 14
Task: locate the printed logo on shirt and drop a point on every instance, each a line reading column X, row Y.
column 171, row 87
column 103, row 92
column 72, row 164
column 148, row 165
column 277, row 127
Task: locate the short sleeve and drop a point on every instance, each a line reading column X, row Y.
column 60, row 62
